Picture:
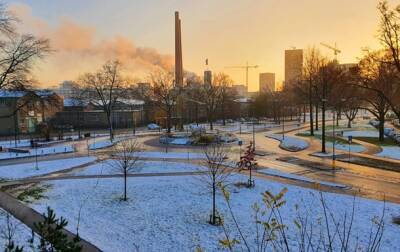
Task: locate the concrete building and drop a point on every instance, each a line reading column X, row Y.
column 267, row 82
column 293, row 65
column 67, row 89
column 241, row 90
column 207, row 77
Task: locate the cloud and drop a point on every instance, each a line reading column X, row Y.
column 78, row 49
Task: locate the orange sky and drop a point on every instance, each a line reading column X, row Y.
column 141, row 33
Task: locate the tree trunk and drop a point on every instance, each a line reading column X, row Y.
column 349, row 123
column 213, row 204
column 223, row 113
column 316, row 116
column 381, row 128
column 125, row 178
column 111, row 132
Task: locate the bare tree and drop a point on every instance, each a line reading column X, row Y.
column 126, row 159
column 211, row 94
column 18, row 53
column 108, row 84
column 216, row 175
column 226, row 95
column 165, row 94
column 377, row 78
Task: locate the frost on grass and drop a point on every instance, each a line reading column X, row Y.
column 172, row 213
column 26, row 170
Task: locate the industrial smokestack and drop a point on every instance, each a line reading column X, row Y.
column 178, row 52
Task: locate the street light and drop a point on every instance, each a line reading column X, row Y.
column 254, row 137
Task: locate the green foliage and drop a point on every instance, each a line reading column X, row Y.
column 52, row 237
column 11, row 247
column 31, row 194
column 205, row 139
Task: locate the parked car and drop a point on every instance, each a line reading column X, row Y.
column 153, row 126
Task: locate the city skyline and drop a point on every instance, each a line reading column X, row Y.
column 229, row 40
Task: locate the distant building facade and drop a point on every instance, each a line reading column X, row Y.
column 21, row 112
column 267, row 82
column 207, row 77
column 241, row 90
column 293, row 65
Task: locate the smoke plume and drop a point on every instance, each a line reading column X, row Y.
column 78, row 49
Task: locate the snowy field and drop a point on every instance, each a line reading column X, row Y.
column 361, row 133
column 390, row 152
column 289, row 143
column 26, row 170
column 40, row 152
column 171, row 155
column 12, row 144
column 101, row 144
column 345, row 147
column 22, row 233
column 171, row 213
column 108, row 167
column 278, row 173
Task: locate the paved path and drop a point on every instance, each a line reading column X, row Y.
column 29, row 217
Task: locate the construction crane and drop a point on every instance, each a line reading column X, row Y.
column 335, row 50
column 246, row 67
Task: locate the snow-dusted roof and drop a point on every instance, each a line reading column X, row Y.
column 125, row 101
column 69, row 102
column 243, row 100
column 131, row 101
column 11, row 94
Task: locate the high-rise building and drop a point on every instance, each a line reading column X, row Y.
column 178, row 51
column 207, row 77
column 293, row 65
column 267, row 82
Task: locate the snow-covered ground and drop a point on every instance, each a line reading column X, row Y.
column 345, row 147
column 40, row 152
column 107, row 167
column 289, row 143
column 22, row 233
column 361, row 133
column 12, row 144
column 171, row 213
column 390, row 152
column 25, row 170
column 171, row 155
column 101, row 144
column 278, row 173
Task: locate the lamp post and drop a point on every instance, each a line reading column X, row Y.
column 334, row 141
column 254, row 137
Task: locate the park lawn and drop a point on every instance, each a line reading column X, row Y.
column 170, row 213
column 375, row 140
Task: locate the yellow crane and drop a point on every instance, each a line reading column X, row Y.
column 335, row 50
column 246, row 67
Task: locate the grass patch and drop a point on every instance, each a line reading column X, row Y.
column 327, row 138
column 33, row 193
column 375, row 140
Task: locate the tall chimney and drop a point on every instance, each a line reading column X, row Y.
column 178, row 51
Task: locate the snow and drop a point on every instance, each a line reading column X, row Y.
column 180, row 141
column 22, row 233
column 345, row 147
column 171, row 155
column 289, row 143
column 25, row 170
column 11, row 143
column 361, row 133
column 171, row 213
column 106, row 167
column 40, row 152
column 278, row 173
column 390, row 152
column 101, row 144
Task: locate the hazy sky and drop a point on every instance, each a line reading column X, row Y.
column 227, row 32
